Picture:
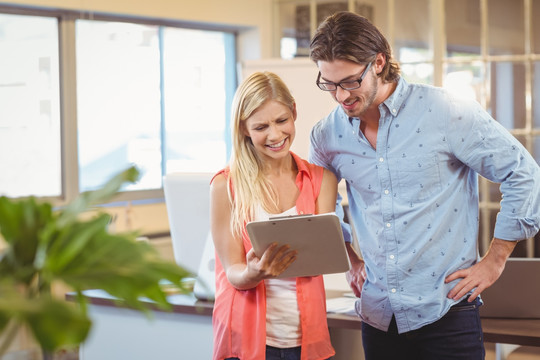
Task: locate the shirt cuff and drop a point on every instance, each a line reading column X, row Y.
column 512, row 229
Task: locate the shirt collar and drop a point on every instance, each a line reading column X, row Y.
column 394, row 101
column 300, row 165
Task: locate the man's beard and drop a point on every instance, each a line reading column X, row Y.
column 361, row 108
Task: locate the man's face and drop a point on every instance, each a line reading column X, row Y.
column 354, row 102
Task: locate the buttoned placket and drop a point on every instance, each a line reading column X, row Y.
column 391, row 246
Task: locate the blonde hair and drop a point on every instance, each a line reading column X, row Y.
column 250, row 186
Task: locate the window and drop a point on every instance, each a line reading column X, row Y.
column 142, row 92
column 118, row 102
column 195, row 86
column 29, row 106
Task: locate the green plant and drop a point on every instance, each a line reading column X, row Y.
column 47, row 246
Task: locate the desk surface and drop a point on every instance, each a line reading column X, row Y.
column 511, row 331
column 524, row 332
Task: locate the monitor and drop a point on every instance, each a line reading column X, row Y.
column 187, row 198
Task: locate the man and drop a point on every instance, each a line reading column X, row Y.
column 410, row 155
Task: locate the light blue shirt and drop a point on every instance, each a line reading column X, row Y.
column 414, row 199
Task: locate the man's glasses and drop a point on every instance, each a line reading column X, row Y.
column 345, row 85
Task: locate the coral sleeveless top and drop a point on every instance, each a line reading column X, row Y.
column 239, row 318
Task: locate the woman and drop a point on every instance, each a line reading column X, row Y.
column 257, row 316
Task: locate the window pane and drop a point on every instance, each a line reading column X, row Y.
column 505, row 26
column 464, row 80
column 195, row 99
column 536, row 149
column 416, row 73
column 29, row 106
column 535, row 26
column 462, row 27
column 325, row 8
column 536, row 94
column 119, row 112
column 486, row 229
column 413, row 32
column 508, row 94
column 294, row 26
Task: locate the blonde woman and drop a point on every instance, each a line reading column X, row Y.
column 257, row 316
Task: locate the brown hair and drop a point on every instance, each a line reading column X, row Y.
column 348, row 36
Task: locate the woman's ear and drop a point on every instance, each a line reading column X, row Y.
column 244, row 129
column 294, row 111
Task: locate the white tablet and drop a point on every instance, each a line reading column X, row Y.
column 318, row 240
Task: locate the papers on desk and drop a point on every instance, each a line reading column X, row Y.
column 341, row 305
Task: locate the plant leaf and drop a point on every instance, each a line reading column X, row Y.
column 54, row 323
column 46, row 247
column 102, row 195
column 58, row 323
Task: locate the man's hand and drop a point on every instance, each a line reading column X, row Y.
column 356, row 276
column 483, row 274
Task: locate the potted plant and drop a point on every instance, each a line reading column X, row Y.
column 46, row 246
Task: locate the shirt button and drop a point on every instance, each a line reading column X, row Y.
column 393, row 290
column 392, row 257
column 381, row 159
column 388, row 225
column 386, row 192
column 394, row 111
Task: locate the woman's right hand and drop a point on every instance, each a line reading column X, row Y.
column 274, row 261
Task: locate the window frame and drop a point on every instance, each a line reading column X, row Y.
column 66, row 20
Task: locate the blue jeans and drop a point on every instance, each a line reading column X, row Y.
column 273, row 353
column 457, row 335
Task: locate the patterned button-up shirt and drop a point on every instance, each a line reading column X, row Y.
column 414, row 199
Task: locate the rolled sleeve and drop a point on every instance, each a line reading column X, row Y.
column 488, row 148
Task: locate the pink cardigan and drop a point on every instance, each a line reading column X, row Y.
column 239, row 319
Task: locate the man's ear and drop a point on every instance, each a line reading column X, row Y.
column 379, row 63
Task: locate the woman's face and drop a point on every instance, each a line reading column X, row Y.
column 271, row 129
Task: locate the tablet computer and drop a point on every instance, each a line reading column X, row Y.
column 318, row 239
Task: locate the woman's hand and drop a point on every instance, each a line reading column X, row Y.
column 274, row 261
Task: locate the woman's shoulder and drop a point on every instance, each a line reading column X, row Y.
column 304, row 164
column 220, row 181
column 221, row 175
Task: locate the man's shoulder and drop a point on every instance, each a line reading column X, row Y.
column 427, row 89
column 434, row 93
column 438, row 97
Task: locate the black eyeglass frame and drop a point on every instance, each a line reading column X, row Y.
column 322, row 85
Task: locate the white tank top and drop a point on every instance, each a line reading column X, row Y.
column 282, row 314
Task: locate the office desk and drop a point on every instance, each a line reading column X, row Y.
column 119, row 333
column 509, row 331
column 122, row 333
column 524, row 332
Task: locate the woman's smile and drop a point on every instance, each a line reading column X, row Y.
column 277, row 146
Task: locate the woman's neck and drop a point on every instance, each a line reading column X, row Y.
column 280, row 167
